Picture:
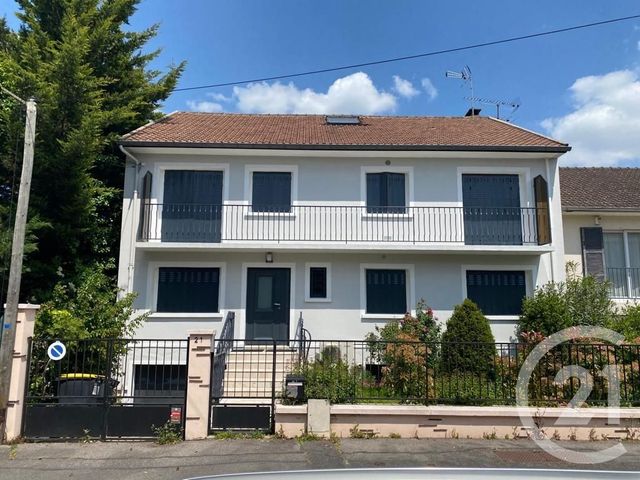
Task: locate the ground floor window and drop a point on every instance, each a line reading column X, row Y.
column 318, row 282
column 160, row 380
column 497, row 292
column 386, row 291
column 188, row 290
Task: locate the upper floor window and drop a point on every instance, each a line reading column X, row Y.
column 271, row 192
column 386, row 192
column 622, row 262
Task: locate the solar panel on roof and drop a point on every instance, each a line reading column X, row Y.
column 343, row 120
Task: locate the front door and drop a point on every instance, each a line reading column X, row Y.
column 268, row 305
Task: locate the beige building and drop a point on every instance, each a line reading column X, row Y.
column 601, row 223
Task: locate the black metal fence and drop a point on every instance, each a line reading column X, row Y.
column 105, row 388
column 624, row 282
column 471, row 373
column 342, row 224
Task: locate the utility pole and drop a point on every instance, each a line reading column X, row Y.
column 17, row 251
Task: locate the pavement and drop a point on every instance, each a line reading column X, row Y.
column 147, row 460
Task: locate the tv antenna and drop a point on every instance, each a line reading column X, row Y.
column 514, row 104
column 465, row 76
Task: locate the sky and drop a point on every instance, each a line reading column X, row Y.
column 580, row 87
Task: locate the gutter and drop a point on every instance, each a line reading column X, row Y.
column 289, row 146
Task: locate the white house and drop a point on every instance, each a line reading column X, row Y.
column 346, row 221
column 601, row 216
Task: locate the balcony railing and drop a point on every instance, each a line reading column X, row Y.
column 340, row 224
column 624, row 282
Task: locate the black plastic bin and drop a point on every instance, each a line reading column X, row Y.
column 84, row 388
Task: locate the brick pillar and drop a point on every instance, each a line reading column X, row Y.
column 19, row 370
column 198, row 385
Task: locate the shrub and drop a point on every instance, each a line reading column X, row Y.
column 555, row 306
column 468, row 344
column 627, row 323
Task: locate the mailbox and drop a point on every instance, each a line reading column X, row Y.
column 294, row 387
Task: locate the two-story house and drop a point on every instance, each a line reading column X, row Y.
column 601, row 213
column 345, row 220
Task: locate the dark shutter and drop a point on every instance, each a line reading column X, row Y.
column 318, row 282
column 492, row 214
column 192, row 206
column 593, row 252
column 386, row 192
column 145, row 206
column 271, row 192
column 386, row 291
column 543, row 221
column 188, row 290
column 496, row 292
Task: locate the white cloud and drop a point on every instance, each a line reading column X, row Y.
column 204, row 106
column 353, row 94
column 604, row 126
column 404, row 87
column 430, row 88
column 219, row 97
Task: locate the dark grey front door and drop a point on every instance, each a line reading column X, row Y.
column 492, row 214
column 268, row 304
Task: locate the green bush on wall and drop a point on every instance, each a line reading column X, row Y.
column 467, row 343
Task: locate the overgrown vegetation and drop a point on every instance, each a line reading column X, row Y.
column 168, row 434
column 91, row 76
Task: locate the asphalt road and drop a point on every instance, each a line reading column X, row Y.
column 145, row 460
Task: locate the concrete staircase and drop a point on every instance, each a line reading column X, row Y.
column 249, row 373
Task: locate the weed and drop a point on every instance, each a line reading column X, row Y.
column 455, row 434
column 394, row 435
column 573, row 434
column 356, row 432
column 13, row 451
column 592, row 435
column 490, row 436
column 280, row 434
column 86, row 438
column 556, row 435
column 334, row 438
column 167, row 434
column 307, row 437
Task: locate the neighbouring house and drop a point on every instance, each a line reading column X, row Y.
column 344, row 221
column 601, row 217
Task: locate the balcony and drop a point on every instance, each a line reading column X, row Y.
column 624, row 282
column 351, row 225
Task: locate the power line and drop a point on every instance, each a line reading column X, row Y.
column 411, row 57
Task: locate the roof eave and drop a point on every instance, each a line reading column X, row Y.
column 430, row 148
column 601, row 209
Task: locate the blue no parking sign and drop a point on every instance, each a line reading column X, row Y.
column 56, row 351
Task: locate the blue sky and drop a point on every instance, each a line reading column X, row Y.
column 581, row 86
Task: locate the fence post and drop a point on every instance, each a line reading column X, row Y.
column 20, row 371
column 196, row 425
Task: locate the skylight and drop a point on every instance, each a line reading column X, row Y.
column 343, row 120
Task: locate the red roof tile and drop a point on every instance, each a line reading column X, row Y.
column 312, row 131
column 600, row 188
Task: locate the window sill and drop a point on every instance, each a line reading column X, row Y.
column 213, row 315
column 317, row 300
column 382, row 316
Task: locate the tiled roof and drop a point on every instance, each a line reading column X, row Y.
column 312, row 132
column 600, row 188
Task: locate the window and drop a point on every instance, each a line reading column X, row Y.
column 318, row 282
column 188, row 290
column 386, row 291
column 155, row 380
column 497, row 292
column 386, row 193
column 622, row 262
column 271, row 192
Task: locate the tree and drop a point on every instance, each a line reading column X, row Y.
column 93, row 84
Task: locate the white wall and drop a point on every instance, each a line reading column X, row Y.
column 438, row 279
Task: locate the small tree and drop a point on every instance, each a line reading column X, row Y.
column 468, row 344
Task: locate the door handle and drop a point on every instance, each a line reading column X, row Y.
column 276, row 304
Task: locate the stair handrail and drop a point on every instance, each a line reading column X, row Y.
column 223, row 347
column 302, row 339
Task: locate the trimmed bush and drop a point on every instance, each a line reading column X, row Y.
column 467, row 343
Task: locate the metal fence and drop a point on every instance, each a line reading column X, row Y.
column 341, row 224
column 105, row 388
column 624, row 282
column 472, row 373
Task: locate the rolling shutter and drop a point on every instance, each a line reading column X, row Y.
column 543, row 221
column 593, row 252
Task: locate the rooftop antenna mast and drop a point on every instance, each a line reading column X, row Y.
column 465, row 76
column 514, row 104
